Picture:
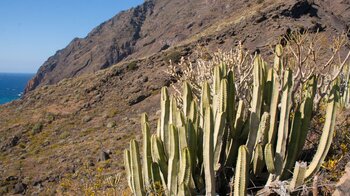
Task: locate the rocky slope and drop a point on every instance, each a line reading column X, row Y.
column 149, row 28
column 159, row 24
column 88, row 97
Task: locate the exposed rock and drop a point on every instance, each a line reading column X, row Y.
column 104, row 156
column 11, row 143
column 20, row 188
column 87, row 119
column 136, row 98
column 343, row 186
column 111, row 124
column 11, row 178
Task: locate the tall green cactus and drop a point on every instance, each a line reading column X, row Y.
column 164, row 118
column 159, row 156
column 136, row 172
column 199, row 148
column 127, row 163
column 255, row 109
column 185, row 173
column 208, row 157
column 147, row 157
column 278, row 64
column 173, row 167
column 283, row 128
column 327, row 133
column 187, row 98
column 242, row 169
column 298, row 175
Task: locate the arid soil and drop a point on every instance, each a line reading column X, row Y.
column 80, row 111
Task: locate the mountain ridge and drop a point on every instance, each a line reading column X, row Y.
column 130, row 34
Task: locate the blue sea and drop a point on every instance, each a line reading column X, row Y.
column 12, row 85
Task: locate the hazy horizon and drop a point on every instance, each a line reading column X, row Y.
column 32, row 31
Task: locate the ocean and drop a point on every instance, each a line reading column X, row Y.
column 12, row 85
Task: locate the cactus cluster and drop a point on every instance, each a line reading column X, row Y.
column 204, row 145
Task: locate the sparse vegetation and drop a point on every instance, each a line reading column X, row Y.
column 270, row 133
column 132, row 65
column 173, row 56
column 37, row 128
column 75, row 112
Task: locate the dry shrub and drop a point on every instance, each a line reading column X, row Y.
column 304, row 54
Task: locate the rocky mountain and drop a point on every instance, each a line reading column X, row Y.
column 157, row 25
column 69, row 130
column 149, row 28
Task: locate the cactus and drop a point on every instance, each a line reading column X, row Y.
column 230, row 99
column 298, row 175
column 173, row 167
column 278, row 64
column 147, row 157
column 269, row 158
column 242, row 168
column 256, row 103
column 258, row 160
column 294, row 138
column 306, row 110
column 164, row 118
column 208, row 147
column 284, row 122
column 199, row 148
column 127, row 163
column 185, row 168
column 155, row 174
column 187, row 98
column 346, row 91
column 327, row 134
column 135, row 163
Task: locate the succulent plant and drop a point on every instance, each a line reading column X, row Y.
column 201, row 148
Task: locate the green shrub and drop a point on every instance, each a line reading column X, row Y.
column 37, row 128
column 132, row 66
column 174, row 56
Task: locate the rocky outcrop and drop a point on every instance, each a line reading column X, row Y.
column 343, row 186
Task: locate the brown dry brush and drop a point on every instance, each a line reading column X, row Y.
column 306, row 55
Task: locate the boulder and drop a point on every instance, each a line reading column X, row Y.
column 20, row 188
column 343, row 186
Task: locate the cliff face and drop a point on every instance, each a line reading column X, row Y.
column 149, row 28
column 105, row 45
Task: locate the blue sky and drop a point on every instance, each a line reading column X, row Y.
column 33, row 30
